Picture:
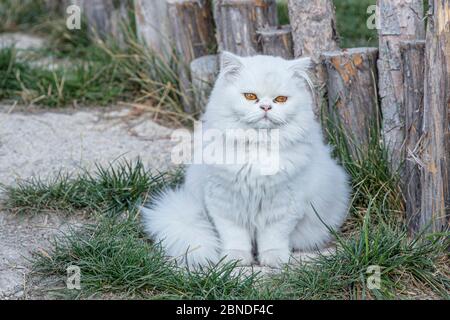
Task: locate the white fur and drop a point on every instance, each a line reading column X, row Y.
column 222, row 210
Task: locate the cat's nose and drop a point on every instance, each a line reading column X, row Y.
column 266, row 107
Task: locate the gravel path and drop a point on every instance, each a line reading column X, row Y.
column 41, row 144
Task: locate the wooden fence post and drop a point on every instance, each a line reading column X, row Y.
column 237, row 22
column 276, row 41
column 313, row 25
column 204, row 71
column 105, row 18
column 54, row 6
column 193, row 35
column 435, row 179
column 351, row 86
column 398, row 21
column 153, row 26
column 413, row 70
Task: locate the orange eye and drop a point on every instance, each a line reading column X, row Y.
column 250, row 96
column 280, row 99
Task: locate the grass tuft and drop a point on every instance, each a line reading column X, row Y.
column 21, row 15
column 113, row 189
column 409, row 268
column 115, row 258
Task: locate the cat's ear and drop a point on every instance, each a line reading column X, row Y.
column 300, row 69
column 230, row 64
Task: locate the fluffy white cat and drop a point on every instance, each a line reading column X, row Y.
column 235, row 212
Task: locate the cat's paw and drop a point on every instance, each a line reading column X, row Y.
column 274, row 258
column 244, row 258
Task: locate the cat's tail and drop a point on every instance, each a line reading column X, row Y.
column 176, row 220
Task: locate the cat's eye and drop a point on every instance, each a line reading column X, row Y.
column 280, row 99
column 250, row 96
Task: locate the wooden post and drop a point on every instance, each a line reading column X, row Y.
column 277, row 41
column 204, row 71
column 153, row 26
column 237, row 22
column 435, row 179
column 413, row 70
column 313, row 25
column 352, row 97
column 106, row 18
column 54, row 6
column 398, row 21
column 193, row 34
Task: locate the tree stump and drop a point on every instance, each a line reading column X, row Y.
column 237, row 22
column 106, row 18
column 153, row 26
column 413, row 70
column 435, row 179
column 54, row 6
column 352, row 98
column 313, row 25
column 204, row 71
column 193, row 35
column 398, row 21
column 314, row 31
column 276, row 41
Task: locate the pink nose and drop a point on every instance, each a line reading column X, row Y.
column 266, row 107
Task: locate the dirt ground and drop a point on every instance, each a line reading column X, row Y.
column 36, row 143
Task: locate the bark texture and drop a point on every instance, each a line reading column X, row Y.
column 352, row 98
column 313, row 25
column 435, row 202
column 398, row 20
column 105, row 18
column 153, row 26
column 193, row 35
column 413, row 70
column 237, row 22
column 277, row 41
column 204, row 71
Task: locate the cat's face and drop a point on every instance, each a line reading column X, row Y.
column 263, row 91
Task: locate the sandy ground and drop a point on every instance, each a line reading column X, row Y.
column 43, row 143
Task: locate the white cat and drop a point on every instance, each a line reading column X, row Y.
column 233, row 211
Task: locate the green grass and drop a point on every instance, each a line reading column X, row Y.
column 99, row 81
column 409, row 268
column 95, row 72
column 104, row 75
column 115, row 258
column 376, row 189
column 113, row 190
column 21, row 15
column 351, row 17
